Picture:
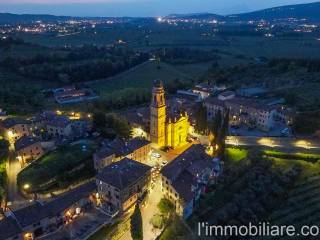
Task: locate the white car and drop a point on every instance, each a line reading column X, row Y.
column 156, row 155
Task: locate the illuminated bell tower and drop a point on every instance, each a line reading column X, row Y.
column 158, row 115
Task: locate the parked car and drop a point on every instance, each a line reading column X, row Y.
column 156, row 155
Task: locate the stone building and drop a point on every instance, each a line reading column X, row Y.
column 166, row 128
column 122, row 184
column 15, row 128
column 185, row 178
column 38, row 219
column 28, row 149
column 137, row 149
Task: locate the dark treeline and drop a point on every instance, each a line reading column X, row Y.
column 243, row 74
column 7, row 42
column 18, row 97
column 76, row 64
column 286, row 64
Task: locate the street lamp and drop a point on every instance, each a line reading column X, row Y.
column 10, row 134
column 26, row 186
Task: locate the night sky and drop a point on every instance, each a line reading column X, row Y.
column 137, row 7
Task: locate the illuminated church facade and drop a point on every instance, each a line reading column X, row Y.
column 167, row 129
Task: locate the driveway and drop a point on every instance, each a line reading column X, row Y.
column 150, row 210
column 147, row 213
column 14, row 198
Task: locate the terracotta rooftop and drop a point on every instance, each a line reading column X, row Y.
column 124, row 173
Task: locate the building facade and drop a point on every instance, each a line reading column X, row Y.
column 249, row 112
column 28, row 149
column 122, row 185
column 59, row 127
column 15, row 128
column 38, row 219
column 185, row 178
column 137, row 149
column 166, row 129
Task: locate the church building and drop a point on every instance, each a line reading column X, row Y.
column 167, row 128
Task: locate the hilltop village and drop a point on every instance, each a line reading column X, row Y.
column 64, row 173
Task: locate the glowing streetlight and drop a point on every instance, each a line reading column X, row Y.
column 10, row 134
column 303, row 144
column 26, row 186
column 266, row 142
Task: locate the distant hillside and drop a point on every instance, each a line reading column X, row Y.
column 26, row 18
column 310, row 11
column 199, row 16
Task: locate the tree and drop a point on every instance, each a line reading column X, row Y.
column 165, row 206
column 201, row 119
column 136, row 224
column 120, row 125
column 222, row 134
column 215, row 127
column 99, row 120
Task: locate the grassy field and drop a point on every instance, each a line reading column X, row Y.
column 235, row 154
column 144, row 75
column 155, row 36
column 309, row 157
column 61, row 167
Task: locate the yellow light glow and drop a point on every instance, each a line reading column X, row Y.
column 68, row 213
column 10, row 133
column 28, row 235
column 266, row 142
column 26, row 186
column 303, row 144
column 58, row 112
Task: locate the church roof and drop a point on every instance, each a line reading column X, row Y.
column 175, row 116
